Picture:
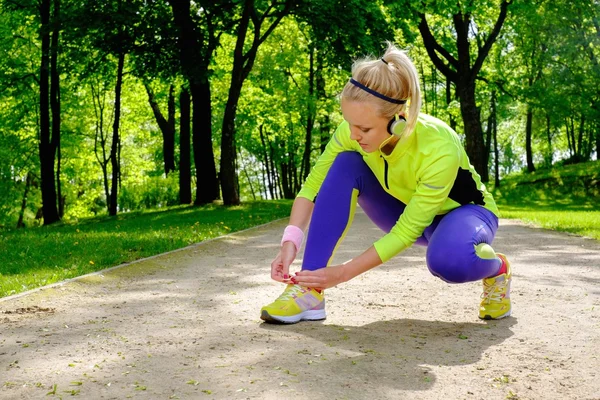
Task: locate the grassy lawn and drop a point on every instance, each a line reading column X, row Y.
column 565, row 199
column 36, row 257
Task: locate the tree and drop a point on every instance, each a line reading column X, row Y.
column 243, row 61
column 49, row 136
column 461, row 55
column 197, row 42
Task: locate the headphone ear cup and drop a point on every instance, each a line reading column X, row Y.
column 396, row 125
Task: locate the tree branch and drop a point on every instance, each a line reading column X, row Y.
column 483, row 52
column 433, row 48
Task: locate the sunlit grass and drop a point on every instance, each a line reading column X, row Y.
column 565, row 199
column 40, row 256
column 582, row 223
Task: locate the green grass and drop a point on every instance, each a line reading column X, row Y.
column 40, row 256
column 565, row 199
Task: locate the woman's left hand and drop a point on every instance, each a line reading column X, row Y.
column 320, row 279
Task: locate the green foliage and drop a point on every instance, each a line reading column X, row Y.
column 31, row 258
column 546, row 58
column 153, row 192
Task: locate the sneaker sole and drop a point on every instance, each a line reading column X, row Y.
column 310, row 315
column 489, row 317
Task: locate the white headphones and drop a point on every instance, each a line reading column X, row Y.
column 396, row 125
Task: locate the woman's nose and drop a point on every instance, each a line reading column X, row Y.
column 354, row 134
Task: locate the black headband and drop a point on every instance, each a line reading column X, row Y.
column 375, row 93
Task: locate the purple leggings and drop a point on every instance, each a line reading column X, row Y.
column 450, row 239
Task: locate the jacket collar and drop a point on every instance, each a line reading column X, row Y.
column 401, row 147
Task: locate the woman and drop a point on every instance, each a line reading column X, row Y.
column 412, row 177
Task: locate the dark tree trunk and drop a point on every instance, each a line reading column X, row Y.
column 55, row 102
column 100, row 139
column 488, row 131
column 528, row 133
column 473, row 133
column 305, row 168
column 580, row 148
column 495, row 134
column 549, row 138
column 185, row 184
column 47, row 150
column 325, row 125
column 167, row 127
column 266, row 161
column 20, row 223
column 227, row 173
column 597, row 142
column 452, row 122
column 195, row 57
column 207, row 185
column 115, row 149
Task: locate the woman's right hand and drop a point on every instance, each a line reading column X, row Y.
column 280, row 267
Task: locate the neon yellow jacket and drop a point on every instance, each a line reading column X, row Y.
column 429, row 171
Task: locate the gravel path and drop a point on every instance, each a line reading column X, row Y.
column 185, row 325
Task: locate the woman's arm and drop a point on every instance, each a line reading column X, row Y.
column 300, row 217
column 301, row 211
column 331, row 276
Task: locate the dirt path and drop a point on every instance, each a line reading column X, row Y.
column 186, row 325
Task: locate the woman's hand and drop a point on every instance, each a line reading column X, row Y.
column 320, row 279
column 280, row 267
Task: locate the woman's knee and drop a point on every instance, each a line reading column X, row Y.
column 347, row 159
column 449, row 268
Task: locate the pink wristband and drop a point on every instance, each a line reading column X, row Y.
column 293, row 234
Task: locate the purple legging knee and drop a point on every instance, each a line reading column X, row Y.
column 450, row 239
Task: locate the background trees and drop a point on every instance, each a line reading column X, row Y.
column 124, row 104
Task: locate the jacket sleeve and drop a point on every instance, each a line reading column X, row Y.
column 435, row 178
column 339, row 142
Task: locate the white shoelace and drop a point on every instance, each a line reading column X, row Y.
column 491, row 292
column 289, row 293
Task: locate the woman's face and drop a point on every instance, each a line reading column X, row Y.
column 367, row 127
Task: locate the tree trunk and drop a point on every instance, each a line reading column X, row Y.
column 55, row 101
column 227, row 173
column 325, row 125
column 473, row 133
column 597, row 142
column 195, row 57
column 207, row 185
column 305, row 168
column 242, row 65
column 47, row 151
column 580, row 148
column 528, row 133
column 571, row 137
column 115, row 149
column 167, row 127
column 99, row 137
column 20, row 223
column 488, row 131
column 266, row 162
column 185, row 184
column 495, row 134
column 448, row 101
column 550, row 152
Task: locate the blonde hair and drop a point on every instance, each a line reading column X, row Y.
column 395, row 76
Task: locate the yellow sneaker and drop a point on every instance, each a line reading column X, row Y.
column 496, row 294
column 296, row 304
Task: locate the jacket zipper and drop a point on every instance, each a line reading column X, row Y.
column 385, row 172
